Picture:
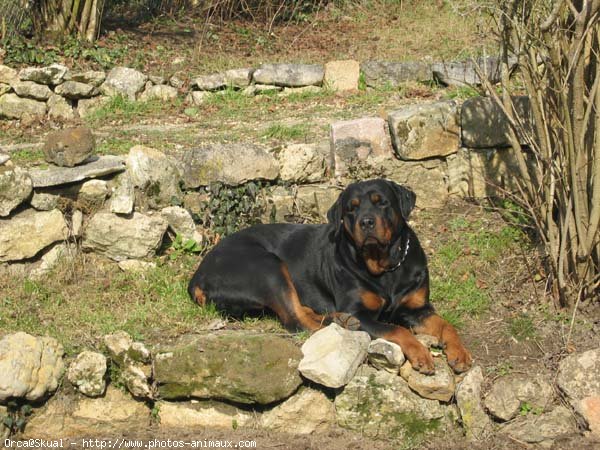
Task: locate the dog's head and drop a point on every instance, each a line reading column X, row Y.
column 372, row 215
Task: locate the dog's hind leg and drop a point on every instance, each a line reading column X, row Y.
column 237, row 287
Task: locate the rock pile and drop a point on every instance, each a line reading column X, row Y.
column 60, row 93
column 228, row 379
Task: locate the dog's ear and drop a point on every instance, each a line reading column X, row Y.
column 406, row 199
column 334, row 217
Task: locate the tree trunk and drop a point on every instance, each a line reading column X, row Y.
column 558, row 47
column 81, row 18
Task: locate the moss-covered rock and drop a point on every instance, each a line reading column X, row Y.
column 238, row 367
column 378, row 403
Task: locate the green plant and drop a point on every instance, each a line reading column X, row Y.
column 522, row 327
column 362, row 82
column 16, row 416
column 527, row 408
column 155, row 413
column 114, row 375
column 229, row 209
column 285, row 132
column 501, row 369
column 179, row 246
column 20, row 51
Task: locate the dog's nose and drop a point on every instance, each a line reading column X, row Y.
column 367, row 223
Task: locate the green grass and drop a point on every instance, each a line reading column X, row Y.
column 285, row 132
column 101, row 300
column 122, row 108
column 456, row 265
column 115, row 146
column 457, row 299
column 522, row 327
column 27, row 156
column 462, row 92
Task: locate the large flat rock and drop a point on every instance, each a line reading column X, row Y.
column 238, row 367
column 96, row 167
column 484, row 124
column 14, row 107
column 113, row 414
column 232, row 164
column 120, row 238
column 392, row 74
column 29, row 232
column 290, row 75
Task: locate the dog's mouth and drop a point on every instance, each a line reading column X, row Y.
column 372, row 242
column 376, row 255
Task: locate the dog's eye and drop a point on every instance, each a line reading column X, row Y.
column 355, row 203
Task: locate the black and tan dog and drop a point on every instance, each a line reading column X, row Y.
column 364, row 269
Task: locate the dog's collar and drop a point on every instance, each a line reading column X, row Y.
column 403, row 256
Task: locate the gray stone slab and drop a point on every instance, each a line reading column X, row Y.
column 484, row 124
column 382, row 73
column 96, row 167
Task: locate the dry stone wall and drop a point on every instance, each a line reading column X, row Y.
column 126, row 204
column 337, row 378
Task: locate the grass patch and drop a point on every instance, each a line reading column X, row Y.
column 458, row 299
column 27, row 156
column 122, row 108
column 100, row 299
column 285, row 132
column 458, row 264
column 462, row 92
column 522, row 327
column 114, row 146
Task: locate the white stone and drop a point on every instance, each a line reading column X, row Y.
column 15, row 188
column 385, row 355
column 87, row 372
column 332, row 355
column 304, row 163
column 29, row 232
column 124, row 81
column 342, row 75
column 120, row 238
column 309, row 411
column 30, row 366
column 182, row 223
column 186, row 415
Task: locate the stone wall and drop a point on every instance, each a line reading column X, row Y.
column 122, row 207
column 57, row 92
column 337, row 378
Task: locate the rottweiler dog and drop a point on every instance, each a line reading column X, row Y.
column 364, row 269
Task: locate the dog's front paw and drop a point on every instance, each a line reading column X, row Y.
column 420, row 359
column 459, row 357
column 345, row 320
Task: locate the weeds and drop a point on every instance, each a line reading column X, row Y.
column 122, row 108
column 285, row 132
column 231, row 208
column 522, row 327
column 456, row 288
